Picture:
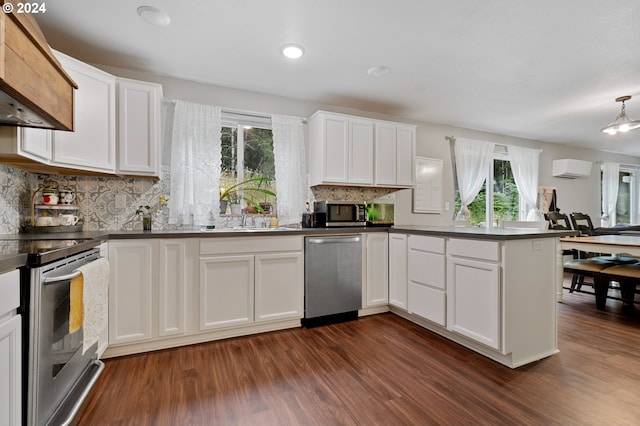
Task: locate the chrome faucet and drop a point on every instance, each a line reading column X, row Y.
column 243, row 220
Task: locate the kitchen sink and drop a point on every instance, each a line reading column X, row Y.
column 247, row 229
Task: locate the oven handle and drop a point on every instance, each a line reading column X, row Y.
column 61, row 278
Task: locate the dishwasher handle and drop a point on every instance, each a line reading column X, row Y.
column 334, row 240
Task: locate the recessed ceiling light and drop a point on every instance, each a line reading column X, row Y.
column 292, row 51
column 154, row 16
column 378, row 71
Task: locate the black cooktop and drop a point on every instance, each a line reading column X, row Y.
column 40, row 252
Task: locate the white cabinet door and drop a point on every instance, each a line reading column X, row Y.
column 335, row 138
column 226, row 291
column 426, row 274
column 173, row 276
column 386, row 153
column 35, row 143
column 92, row 146
column 361, row 152
column 398, row 280
column 10, row 371
column 130, row 291
column 406, row 154
column 138, row 127
column 377, row 273
column 473, row 294
column 279, row 286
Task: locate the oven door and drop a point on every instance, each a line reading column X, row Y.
column 58, row 365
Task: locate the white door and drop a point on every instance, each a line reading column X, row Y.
column 130, row 291
column 138, row 127
column 406, row 154
column 173, row 277
column 473, row 295
column 279, row 286
column 361, row 154
column 10, row 372
column 35, row 143
column 92, row 145
column 386, row 152
column 398, row 280
column 226, row 291
column 377, row 274
column 336, row 148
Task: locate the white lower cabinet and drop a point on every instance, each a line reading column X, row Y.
column 474, row 300
column 148, row 288
column 10, row 350
column 279, row 289
column 398, row 280
column 376, row 292
column 426, row 276
column 226, row 291
column 250, row 280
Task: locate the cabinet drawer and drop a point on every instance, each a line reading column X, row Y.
column 430, row 244
column 249, row 244
column 485, row 250
column 427, row 268
column 427, row 302
column 9, row 291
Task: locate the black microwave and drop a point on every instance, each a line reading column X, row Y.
column 342, row 214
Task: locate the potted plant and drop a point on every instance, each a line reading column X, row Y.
column 250, row 188
column 146, row 213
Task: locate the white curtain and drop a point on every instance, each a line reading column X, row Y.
column 610, row 186
column 291, row 174
column 473, row 159
column 195, row 164
column 525, row 168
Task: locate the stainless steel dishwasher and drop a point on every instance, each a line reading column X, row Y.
column 332, row 279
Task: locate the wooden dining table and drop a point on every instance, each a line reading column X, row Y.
column 610, row 244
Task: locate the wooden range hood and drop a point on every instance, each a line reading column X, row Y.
column 35, row 91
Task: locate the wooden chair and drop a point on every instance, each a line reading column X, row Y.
column 596, row 262
column 579, row 266
column 627, row 275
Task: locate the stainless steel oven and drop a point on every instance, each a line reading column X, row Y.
column 59, row 370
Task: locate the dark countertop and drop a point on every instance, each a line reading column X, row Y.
column 15, row 248
column 496, row 234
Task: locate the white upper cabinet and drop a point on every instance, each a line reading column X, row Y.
column 395, row 147
column 340, row 149
column 35, row 143
column 117, row 129
column 405, row 154
column 139, row 106
column 92, row 146
column 357, row 151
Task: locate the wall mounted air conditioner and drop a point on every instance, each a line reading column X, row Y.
column 568, row 168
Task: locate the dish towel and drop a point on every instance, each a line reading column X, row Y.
column 95, row 297
column 76, row 304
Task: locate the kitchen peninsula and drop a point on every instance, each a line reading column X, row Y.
column 491, row 290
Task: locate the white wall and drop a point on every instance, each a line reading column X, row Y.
column 574, row 195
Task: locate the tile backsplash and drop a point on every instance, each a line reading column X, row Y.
column 96, row 197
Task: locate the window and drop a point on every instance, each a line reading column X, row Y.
column 626, row 199
column 501, row 201
column 247, row 155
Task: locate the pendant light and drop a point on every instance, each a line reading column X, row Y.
column 622, row 123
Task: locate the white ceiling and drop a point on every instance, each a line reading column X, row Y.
column 547, row 69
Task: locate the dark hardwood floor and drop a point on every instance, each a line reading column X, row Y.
column 381, row 370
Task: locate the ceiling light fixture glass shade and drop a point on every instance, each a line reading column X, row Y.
column 154, row 16
column 292, row 51
column 622, row 123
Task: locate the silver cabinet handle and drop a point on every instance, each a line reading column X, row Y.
column 62, row 278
